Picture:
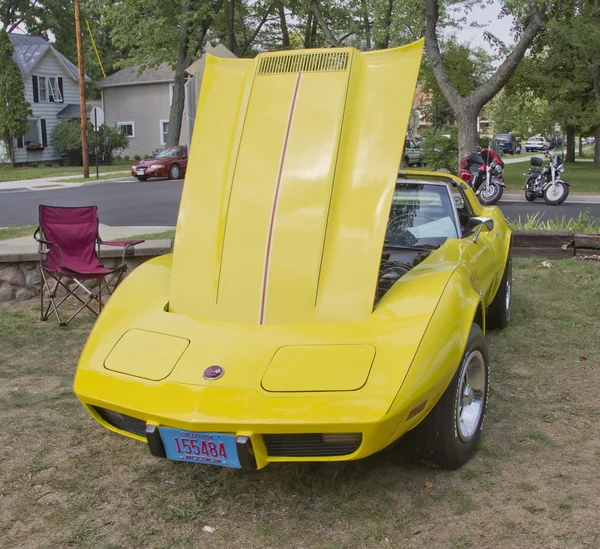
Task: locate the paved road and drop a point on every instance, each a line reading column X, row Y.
column 156, row 203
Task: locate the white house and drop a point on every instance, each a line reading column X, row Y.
column 51, row 86
column 139, row 102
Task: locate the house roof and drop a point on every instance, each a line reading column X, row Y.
column 131, row 76
column 72, row 109
column 28, row 50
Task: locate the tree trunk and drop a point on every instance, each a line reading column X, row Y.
column 597, row 147
column 183, row 62
column 308, row 31
column 231, row 41
column 10, row 144
column 285, row 34
column 466, row 119
column 366, row 23
column 387, row 23
column 570, row 144
column 580, row 155
column 324, row 26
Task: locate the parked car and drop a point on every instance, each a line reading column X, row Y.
column 537, row 143
column 306, row 314
column 412, row 153
column 508, row 143
column 170, row 162
column 551, row 142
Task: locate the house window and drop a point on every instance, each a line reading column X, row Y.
column 54, row 90
column 164, row 130
column 42, row 93
column 128, row 128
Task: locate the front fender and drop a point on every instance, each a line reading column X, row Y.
column 440, row 351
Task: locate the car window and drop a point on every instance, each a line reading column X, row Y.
column 463, row 207
column 421, row 214
column 168, row 153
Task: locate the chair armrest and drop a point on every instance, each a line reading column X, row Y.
column 126, row 244
column 41, row 241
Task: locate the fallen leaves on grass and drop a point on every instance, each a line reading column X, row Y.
column 545, row 265
column 428, row 485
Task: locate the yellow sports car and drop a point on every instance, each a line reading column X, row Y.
column 318, row 305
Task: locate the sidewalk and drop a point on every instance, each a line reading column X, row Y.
column 44, row 183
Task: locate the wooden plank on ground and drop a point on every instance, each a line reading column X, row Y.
column 550, row 252
column 536, row 239
column 587, row 240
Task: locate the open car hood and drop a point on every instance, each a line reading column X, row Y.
column 289, row 184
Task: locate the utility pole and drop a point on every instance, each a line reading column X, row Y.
column 82, row 107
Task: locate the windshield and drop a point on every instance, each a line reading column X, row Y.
column 167, row 153
column 421, row 215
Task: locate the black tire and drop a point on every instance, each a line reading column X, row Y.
column 496, row 192
column 530, row 197
column 438, row 440
column 526, row 149
column 498, row 313
column 141, row 178
column 557, row 201
column 174, row 171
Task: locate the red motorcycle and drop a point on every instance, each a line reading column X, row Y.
column 483, row 171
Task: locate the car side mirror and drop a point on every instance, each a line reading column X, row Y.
column 480, row 224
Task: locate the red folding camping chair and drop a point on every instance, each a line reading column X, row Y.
column 69, row 247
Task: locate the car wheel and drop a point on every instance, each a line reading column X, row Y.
column 142, row 178
column 526, row 149
column 174, row 171
column 498, row 313
column 447, row 437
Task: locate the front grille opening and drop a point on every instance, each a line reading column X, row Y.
column 123, row 422
column 312, row 445
column 304, row 62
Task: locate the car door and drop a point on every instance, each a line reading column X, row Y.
column 183, row 161
column 483, row 254
column 412, row 152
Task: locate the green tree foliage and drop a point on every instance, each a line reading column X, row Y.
column 521, row 113
column 14, row 110
column 66, row 139
column 440, row 150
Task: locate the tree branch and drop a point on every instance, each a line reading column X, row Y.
column 323, row 24
column 257, row 29
column 434, row 55
column 491, row 87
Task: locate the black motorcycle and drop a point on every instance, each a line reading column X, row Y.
column 546, row 183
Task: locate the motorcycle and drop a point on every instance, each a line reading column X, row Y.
column 546, row 183
column 483, row 170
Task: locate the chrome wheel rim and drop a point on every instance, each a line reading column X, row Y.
column 174, row 172
column 471, row 393
column 556, row 193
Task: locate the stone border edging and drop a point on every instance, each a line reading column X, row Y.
column 20, row 277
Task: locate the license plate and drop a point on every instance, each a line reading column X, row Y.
column 141, row 172
column 211, row 448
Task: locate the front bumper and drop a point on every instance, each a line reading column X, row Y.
column 262, row 430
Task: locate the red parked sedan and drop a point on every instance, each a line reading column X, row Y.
column 170, row 162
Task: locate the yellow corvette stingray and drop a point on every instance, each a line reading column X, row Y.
column 318, row 305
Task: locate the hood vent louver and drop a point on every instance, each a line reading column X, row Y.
column 304, row 62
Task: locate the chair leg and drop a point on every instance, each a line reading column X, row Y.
column 100, row 295
column 52, row 295
column 41, row 296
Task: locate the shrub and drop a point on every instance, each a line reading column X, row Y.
column 146, row 156
column 484, row 141
column 440, row 150
column 126, row 157
column 585, row 222
column 66, row 139
column 137, row 157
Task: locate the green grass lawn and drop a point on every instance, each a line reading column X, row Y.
column 582, row 176
column 92, row 177
column 533, row 482
column 19, row 174
column 17, row 231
